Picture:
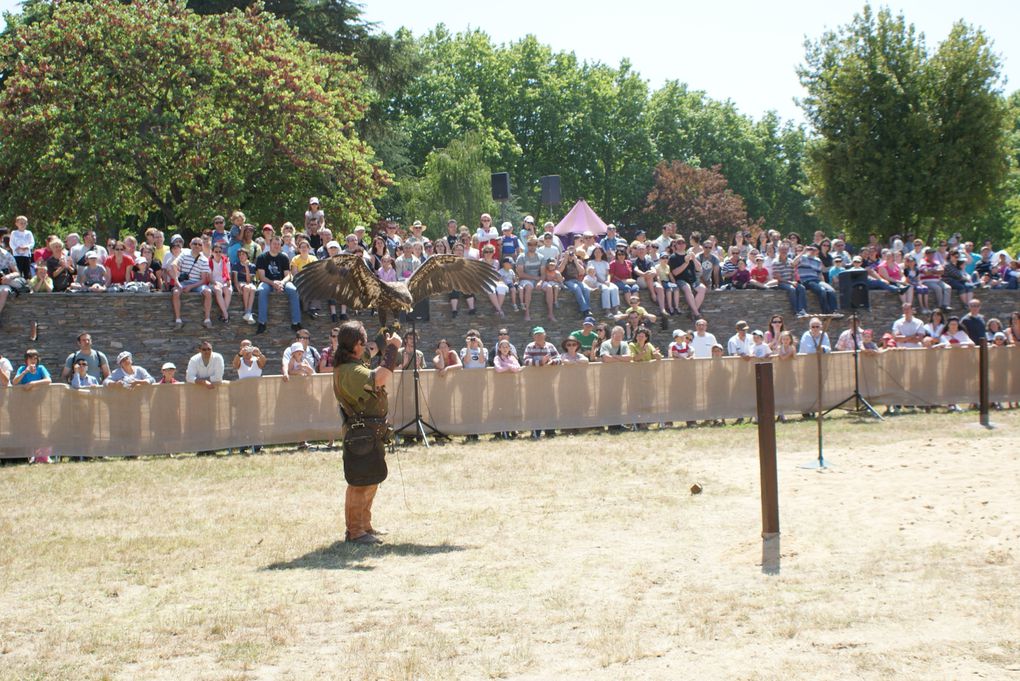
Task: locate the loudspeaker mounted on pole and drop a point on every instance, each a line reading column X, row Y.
column 501, row 186
column 550, row 189
column 853, row 289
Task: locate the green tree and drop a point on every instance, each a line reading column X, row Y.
column 1001, row 221
column 118, row 110
column 908, row 141
column 763, row 161
column 455, row 183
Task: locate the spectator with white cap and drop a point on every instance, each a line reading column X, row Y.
column 127, row 375
column 309, row 355
column 760, row 349
column 92, row 277
column 509, row 245
column 333, row 249
column 680, row 348
column 297, row 364
column 169, row 374
column 527, row 229
column 362, row 237
column 314, row 217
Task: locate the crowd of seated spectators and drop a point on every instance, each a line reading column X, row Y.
column 240, row 262
column 605, row 276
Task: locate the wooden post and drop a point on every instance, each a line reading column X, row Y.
column 983, row 401
column 767, row 448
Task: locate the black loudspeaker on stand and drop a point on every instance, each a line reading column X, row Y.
column 853, row 290
column 501, row 186
column 550, row 189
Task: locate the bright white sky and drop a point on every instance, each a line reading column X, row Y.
column 733, row 49
column 736, row 49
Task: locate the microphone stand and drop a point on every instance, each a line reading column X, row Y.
column 418, row 422
column 861, row 405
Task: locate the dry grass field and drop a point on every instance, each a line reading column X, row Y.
column 580, row 557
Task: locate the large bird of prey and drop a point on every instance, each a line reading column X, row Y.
column 349, row 281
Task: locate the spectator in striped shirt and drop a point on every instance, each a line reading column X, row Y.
column 193, row 276
column 540, row 352
column 809, row 271
column 782, row 272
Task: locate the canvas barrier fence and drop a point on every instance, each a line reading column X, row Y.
column 187, row 418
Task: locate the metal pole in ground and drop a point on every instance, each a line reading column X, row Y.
column 983, row 401
column 766, row 400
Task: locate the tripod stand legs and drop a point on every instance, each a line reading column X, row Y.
column 418, row 422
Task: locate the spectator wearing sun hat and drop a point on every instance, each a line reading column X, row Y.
column 127, row 375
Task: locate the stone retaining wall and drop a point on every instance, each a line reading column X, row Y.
column 143, row 323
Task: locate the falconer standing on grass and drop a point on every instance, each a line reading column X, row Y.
column 361, row 393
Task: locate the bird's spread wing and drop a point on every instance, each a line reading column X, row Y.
column 444, row 273
column 343, row 278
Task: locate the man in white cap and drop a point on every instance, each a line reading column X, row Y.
column 314, row 217
column 127, row 375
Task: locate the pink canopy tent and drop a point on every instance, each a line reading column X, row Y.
column 581, row 218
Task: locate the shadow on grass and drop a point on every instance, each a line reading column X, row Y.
column 344, row 556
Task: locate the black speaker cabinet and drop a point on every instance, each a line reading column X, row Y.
column 501, row 186
column 420, row 312
column 853, row 289
column 550, row 189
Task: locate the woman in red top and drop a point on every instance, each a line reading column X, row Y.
column 445, row 358
column 118, row 265
column 621, row 273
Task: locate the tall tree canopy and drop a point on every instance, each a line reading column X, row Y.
column 455, row 184
column 115, row 109
column 762, row 161
column 908, row 140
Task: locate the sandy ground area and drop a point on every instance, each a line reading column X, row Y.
column 581, row 557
